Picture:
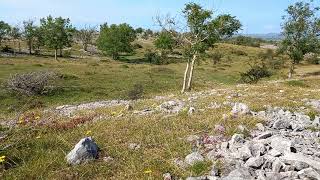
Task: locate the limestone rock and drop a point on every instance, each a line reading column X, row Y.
column 86, row 149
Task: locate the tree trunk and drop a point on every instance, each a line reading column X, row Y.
column 30, row 47
column 291, row 70
column 55, row 54
column 19, row 44
column 191, row 72
column 85, row 47
column 14, row 47
column 60, row 53
column 185, row 77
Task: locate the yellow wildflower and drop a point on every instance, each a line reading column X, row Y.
column 38, row 137
column 113, row 113
column 88, row 132
column 2, row 159
column 147, row 171
column 37, row 117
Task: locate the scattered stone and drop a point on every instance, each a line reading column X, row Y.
column 255, row 162
column 203, row 178
column 264, row 135
column 172, row 106
column 129, row 107
column 167, row 176
column 108, row 159
column 240, row 109
column 308, row 173
column 260, row 127
column 134, row 146
column 302, row 158
column 194, row 158
column 180, row 163
column 191, row 110
column 85, row 150
column 239, row 174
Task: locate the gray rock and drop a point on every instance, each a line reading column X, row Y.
column 308, row 173
column 257, row 149
column 274, row 153
column 264, row 135
column 237, row 139
column 86, row 149
column 134, row 146
column 244, row 153
column 194, row 158
column 281, row 124
column 172, row 106
column 240, row 109
column 281, row 144
column 167, row 176
column 260, row 127
column 239, row 174
column 300, row 165
column 255, row 162
column 301, row 158
column 191, row 110
column 277, row 165
column 203, row 178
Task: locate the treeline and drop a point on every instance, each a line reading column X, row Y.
column 58, row 33
column 248, row 41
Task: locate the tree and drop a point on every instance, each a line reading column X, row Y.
column 86, row 35
column 16, row 34
column 39, row 40
column 139, row 30
column 4, row 31
column 165, row 43
column 301, row 30
column 57, row 33
column 201, row 32
column 29, row 33
column 116, row 39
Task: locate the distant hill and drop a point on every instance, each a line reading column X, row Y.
column 269, row 36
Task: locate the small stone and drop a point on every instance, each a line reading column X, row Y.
column 180, row 163
column 308, row 173
column 167, row 176
column 260, row 127
column 239, row 174
column 194, row 158
column 191, row 110
column 134, row 146
column 258, row 149
column 277, row 165
column 240, row 109
column 108, row 159
column 255, row 162
column 86, row 149
column 300, row 165
column 264, row 135
column 274, row 153
column 237, row 139
column 129, row 107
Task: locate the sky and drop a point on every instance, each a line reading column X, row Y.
column 256, row 16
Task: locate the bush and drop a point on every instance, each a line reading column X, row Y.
column 254, row 74
column 136, row 92
column 137, row 46
column 216, row 57
column 34, row 83
column 311, row 58
column 67, row 53
column 239, row 53
column 7, row 49
column 153, row 57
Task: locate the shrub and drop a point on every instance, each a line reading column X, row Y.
column 216, row 57
column 67, row 53
column 239, row 53
column 153, row 57
column 311, row 58
column 7, row 49
column 296, row 83
column 34, row 83
column 254, row 74
column 136, row 92
column 137, row 46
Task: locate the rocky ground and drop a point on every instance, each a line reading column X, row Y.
column 284, row 143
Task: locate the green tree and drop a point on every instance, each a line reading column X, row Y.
column 301, row 30
column 202, row 32
column 165, row 43
column 57, row 33
column 29, row 33
column 85, row 36
column 4, row 31
column 15, row 35
column 139, row 30
column 116, row 39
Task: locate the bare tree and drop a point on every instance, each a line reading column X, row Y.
column 86, row 36
column 198, row 35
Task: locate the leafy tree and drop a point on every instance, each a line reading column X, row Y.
column 86, row 36
column 4, row 30
column 202, row 32
column 116, row 39
column 139, row 30
column 29, row 33
column 16, row 34
column 57, row 33
column 301, row 30
column 147, row 33
column 164, row 41
column 39, row 40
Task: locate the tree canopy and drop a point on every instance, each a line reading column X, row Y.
column 116, row 39
column 4, row 30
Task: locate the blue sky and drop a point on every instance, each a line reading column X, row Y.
column 257, row 16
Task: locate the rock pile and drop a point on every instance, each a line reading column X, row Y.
column 286, row 148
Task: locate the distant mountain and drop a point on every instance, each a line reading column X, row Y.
column 269, row 36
